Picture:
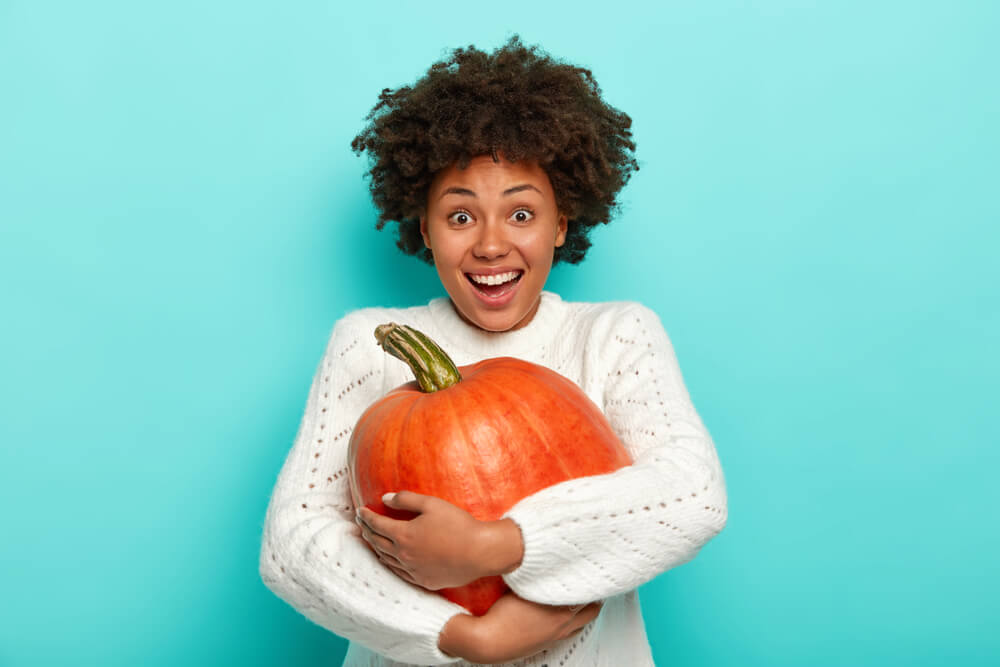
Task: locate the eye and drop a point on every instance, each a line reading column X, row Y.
column 522, row 215
column 459, row 218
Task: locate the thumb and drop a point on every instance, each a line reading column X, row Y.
column 404, row 500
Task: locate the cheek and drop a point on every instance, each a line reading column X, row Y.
column 447, row 256
column 540, row 247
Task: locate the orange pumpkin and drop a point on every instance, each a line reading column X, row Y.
column 482, row 437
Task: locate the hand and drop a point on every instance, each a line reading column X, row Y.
column 443, row 546
column 513, row 628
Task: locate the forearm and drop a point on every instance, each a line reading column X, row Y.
column 597, row 537
column 502, row 547
column 513, row 628
column 459, row 632
column 323, row 570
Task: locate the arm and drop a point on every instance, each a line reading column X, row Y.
column 513, row 628
column 311, row 553
column 591, row 538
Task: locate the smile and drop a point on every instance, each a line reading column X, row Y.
column 494, row 285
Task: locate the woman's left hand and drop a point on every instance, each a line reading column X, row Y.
column 443, row 546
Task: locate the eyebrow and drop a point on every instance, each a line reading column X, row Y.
column 509, row 191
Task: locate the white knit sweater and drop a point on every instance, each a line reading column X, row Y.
column 595, row 538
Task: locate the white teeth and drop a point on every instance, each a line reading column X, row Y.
column 496, row 279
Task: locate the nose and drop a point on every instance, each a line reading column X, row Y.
column 492, row 241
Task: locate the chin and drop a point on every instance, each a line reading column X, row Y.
column 495, row 325
column 494, row 322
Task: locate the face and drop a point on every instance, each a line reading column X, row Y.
column 493, row 228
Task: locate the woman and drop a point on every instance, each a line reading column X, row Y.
column 495, row 166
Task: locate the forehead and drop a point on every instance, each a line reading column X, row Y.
column 484, row 175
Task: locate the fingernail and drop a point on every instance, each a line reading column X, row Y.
column 387, row 497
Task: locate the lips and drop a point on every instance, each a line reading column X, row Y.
column 493, row 278
column 494, row 285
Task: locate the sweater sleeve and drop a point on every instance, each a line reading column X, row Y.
column 595, row 537
column 312, row 555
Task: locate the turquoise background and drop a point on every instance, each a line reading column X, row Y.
column 815, row 220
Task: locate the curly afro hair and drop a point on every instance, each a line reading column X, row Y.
column 517, row 101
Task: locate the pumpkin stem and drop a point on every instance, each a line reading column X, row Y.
column 431, row 365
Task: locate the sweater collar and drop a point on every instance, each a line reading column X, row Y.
column 479, row 343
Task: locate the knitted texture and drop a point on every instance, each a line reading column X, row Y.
column 595, row 538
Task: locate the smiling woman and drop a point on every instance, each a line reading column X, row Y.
column 495, row 167
column 492, row 229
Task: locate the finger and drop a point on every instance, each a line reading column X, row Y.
column 407, row 500
column 582, row 620
column 380, row 544
column 389, row 559
column 401, row 573
column 378, row 524
column 588, row 613
column 577, row 626
column 366, row 531
column 369, row 535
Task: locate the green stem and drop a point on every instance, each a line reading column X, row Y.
column 431, row 365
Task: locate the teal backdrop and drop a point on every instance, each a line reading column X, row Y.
column 815, row 220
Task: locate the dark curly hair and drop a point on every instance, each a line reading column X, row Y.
column 517, row 101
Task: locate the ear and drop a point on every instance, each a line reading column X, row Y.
column 562, row 226
column 423, row 232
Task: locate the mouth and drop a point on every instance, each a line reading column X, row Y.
column 494, row 285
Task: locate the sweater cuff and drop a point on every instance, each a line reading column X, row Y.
column 536, row 579
column 430, row 627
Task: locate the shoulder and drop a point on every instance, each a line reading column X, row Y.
column 353, row 335
column 609, row 319
column 612, row 337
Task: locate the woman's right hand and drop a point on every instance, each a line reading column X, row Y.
column 512, row 628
